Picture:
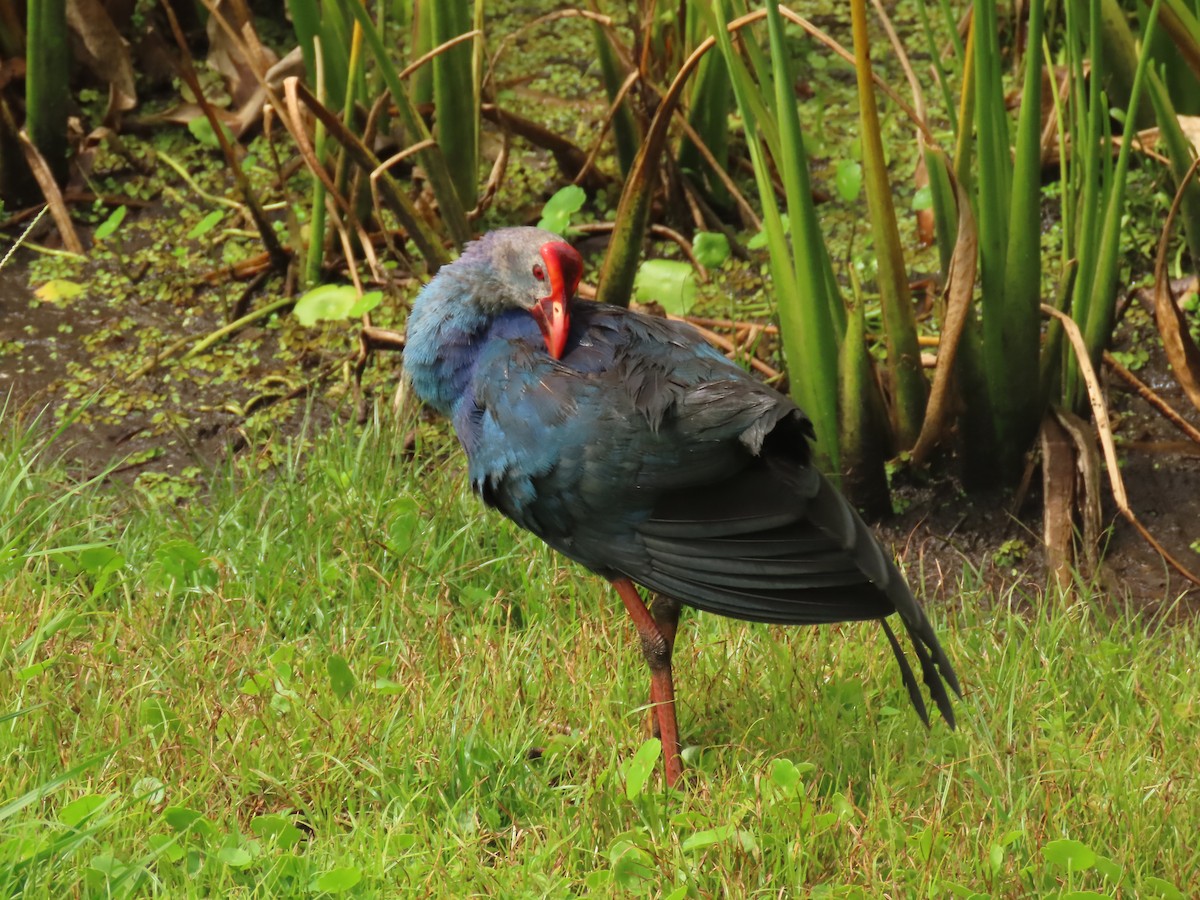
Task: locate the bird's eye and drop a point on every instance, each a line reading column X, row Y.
column 539, row 273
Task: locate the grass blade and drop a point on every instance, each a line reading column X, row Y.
column 909, row 386
column 431, row 157
column 625, row 130
column 46, row 82
column 455, row 100
column 1015, row 396
column 1097, row 326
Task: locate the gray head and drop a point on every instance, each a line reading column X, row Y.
column 524, row 268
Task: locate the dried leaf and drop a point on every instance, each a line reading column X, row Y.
column 1058, row 490
column 104, row 52
column 960, row 287
column 1182, row 352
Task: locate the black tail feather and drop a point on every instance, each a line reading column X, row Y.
column 906, row 673
column 937, row 688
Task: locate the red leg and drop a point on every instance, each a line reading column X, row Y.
column 665, row 611
column 656, row 648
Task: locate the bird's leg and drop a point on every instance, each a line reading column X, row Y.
column 656, row 648
column 665, row 611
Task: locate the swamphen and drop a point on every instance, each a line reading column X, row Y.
column 632, row 446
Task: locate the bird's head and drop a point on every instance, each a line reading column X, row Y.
column 529, row 269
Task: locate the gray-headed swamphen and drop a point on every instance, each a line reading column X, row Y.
column 632, row 446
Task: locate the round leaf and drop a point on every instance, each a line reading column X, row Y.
column 1160, row 887
column 1074, row 856
column 237, row 857
column 327, row 302
column 149, row 789
column 335, row 881
column 848, row 179
column 711, row 249
column 365, row 303
column 78, row 811
column 556, row 214
column 668, row 282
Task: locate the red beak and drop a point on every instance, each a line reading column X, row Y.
column 564, row 266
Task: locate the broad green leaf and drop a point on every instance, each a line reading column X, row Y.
column 641, row 766
column 179, row 558
column 996, row 859
column 387, row 687
column 282, row 656
column 236, row 857
column 276, row 829
column 28, row 673
column 1072, row 855
column 708, row 837
column 79, row 810
column 787, row 775
column 156, row 717
column 365, row 303
column 94, row 560
column 326, row 302
column 203, row 132
column 848, row 179
column 341, row 679
column 399, row 843
column 166, row 846
column 1160, row 887
column 668, row 282
column 823, row 822
column 556, row 214
column 760, row 240
column 255, row 685
column 630, row 864
column 406, row 517
column 182, row 818
column 149, row 789
column 842, row 807
column 335, row 881
column 107, row 864
column 598, row 879
column 711, row 249
column 1110, row 870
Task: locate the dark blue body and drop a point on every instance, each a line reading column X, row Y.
column 643, row 453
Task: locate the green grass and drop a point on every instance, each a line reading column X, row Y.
column 327, row 674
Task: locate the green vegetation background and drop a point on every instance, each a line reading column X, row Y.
column 343, row 677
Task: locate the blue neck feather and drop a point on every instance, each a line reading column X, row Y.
column 446, row 333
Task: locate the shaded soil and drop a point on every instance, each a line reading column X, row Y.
column 943, row 528
column 78, row 359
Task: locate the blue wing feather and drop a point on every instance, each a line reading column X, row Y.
column 644, row 453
